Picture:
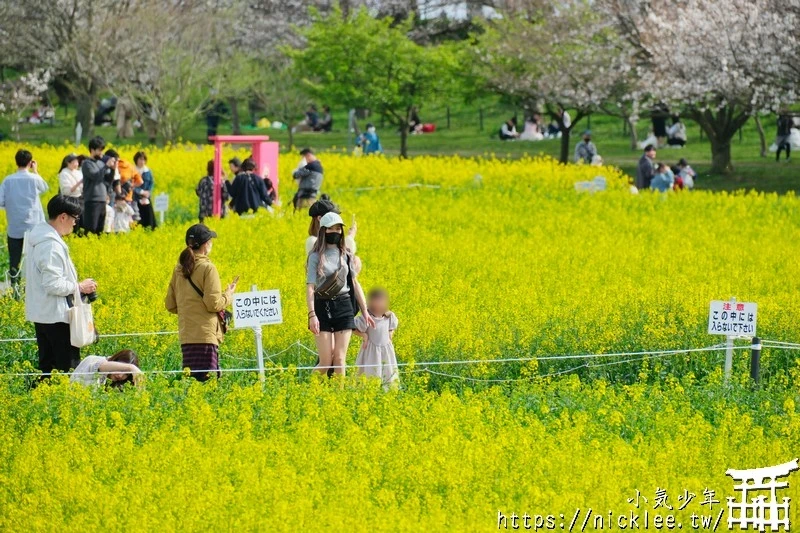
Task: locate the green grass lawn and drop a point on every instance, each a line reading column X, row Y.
column 466, row 138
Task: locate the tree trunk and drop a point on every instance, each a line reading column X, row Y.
column 761, row 136
column 291, row 137
column 721, row 129
column 721, row 156
column 634, row 135
column 564, row 158
column 404, row 142
column 235, row 122
column 84, row 113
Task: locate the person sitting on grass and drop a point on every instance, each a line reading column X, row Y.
column 508, row 131
column 686, row 173
column 117, row 370
column 369, row 141
column 585, row 150
column 676, row 134
column 325, row 123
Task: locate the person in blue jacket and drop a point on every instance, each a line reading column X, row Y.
column 369, row 141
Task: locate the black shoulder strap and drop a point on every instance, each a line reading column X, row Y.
column 195, row 287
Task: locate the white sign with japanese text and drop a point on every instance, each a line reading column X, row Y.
column 161, row 203
column 732, row 318
column 259, row 308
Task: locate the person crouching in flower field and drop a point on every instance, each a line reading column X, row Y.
column 116, row 371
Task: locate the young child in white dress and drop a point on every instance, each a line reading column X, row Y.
column 376, row 357
column 123, row 215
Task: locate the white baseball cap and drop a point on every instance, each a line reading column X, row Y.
column 330, row 220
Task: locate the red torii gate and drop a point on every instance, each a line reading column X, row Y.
column 265, row 155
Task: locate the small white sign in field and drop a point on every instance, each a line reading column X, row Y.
column 732, row 318
column 161, row 203
column 258, row 308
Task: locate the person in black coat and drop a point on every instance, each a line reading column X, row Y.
column 248, row 190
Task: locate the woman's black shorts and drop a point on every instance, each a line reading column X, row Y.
column 335, row 315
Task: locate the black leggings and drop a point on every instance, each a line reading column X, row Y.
column 14, row 257
column 786, row 145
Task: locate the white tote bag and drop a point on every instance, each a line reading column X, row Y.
column 81, row 323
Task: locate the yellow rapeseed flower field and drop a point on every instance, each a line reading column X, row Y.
column 483, row 259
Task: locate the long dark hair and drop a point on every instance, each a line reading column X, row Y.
column 186, row 260
column 124, row 356
column 320, row 246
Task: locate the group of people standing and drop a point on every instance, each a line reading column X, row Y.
column 334, row 298
column 114, row 192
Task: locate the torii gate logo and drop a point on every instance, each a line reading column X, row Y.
column 759, row 512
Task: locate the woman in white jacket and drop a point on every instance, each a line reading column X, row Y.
column 70, row 177
column 52, row 283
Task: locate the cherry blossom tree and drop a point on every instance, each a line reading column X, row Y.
column 719, row 62
column 560, row 55
column 17, row 97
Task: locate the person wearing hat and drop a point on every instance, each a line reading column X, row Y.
column 195, row 294
column 333, row 294
column 319, row 209
column 70, row 178
column 585, row 150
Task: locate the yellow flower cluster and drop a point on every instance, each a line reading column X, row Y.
column 320, row 457
column 482, row 258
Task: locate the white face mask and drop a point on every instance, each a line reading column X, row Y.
column 371, row 130
column 210, row 245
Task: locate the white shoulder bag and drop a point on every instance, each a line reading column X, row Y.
column 81, row 321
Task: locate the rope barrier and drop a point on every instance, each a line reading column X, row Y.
column 118, row 335
column 422, row 364
column 553, row 374
column 388, row 187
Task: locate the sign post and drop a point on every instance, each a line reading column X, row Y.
column 732, row 319
column 255, row 309
column 161, row 204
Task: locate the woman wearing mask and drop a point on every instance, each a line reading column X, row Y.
column 332, row 294
column 195, row 295
column 143, row 193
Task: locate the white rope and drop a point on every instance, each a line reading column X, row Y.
column 424, row 364
column 553, row 374
column 104, row 336
column 387, row 187
column 119, row 335
column 780, row 343
column 268, row 356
